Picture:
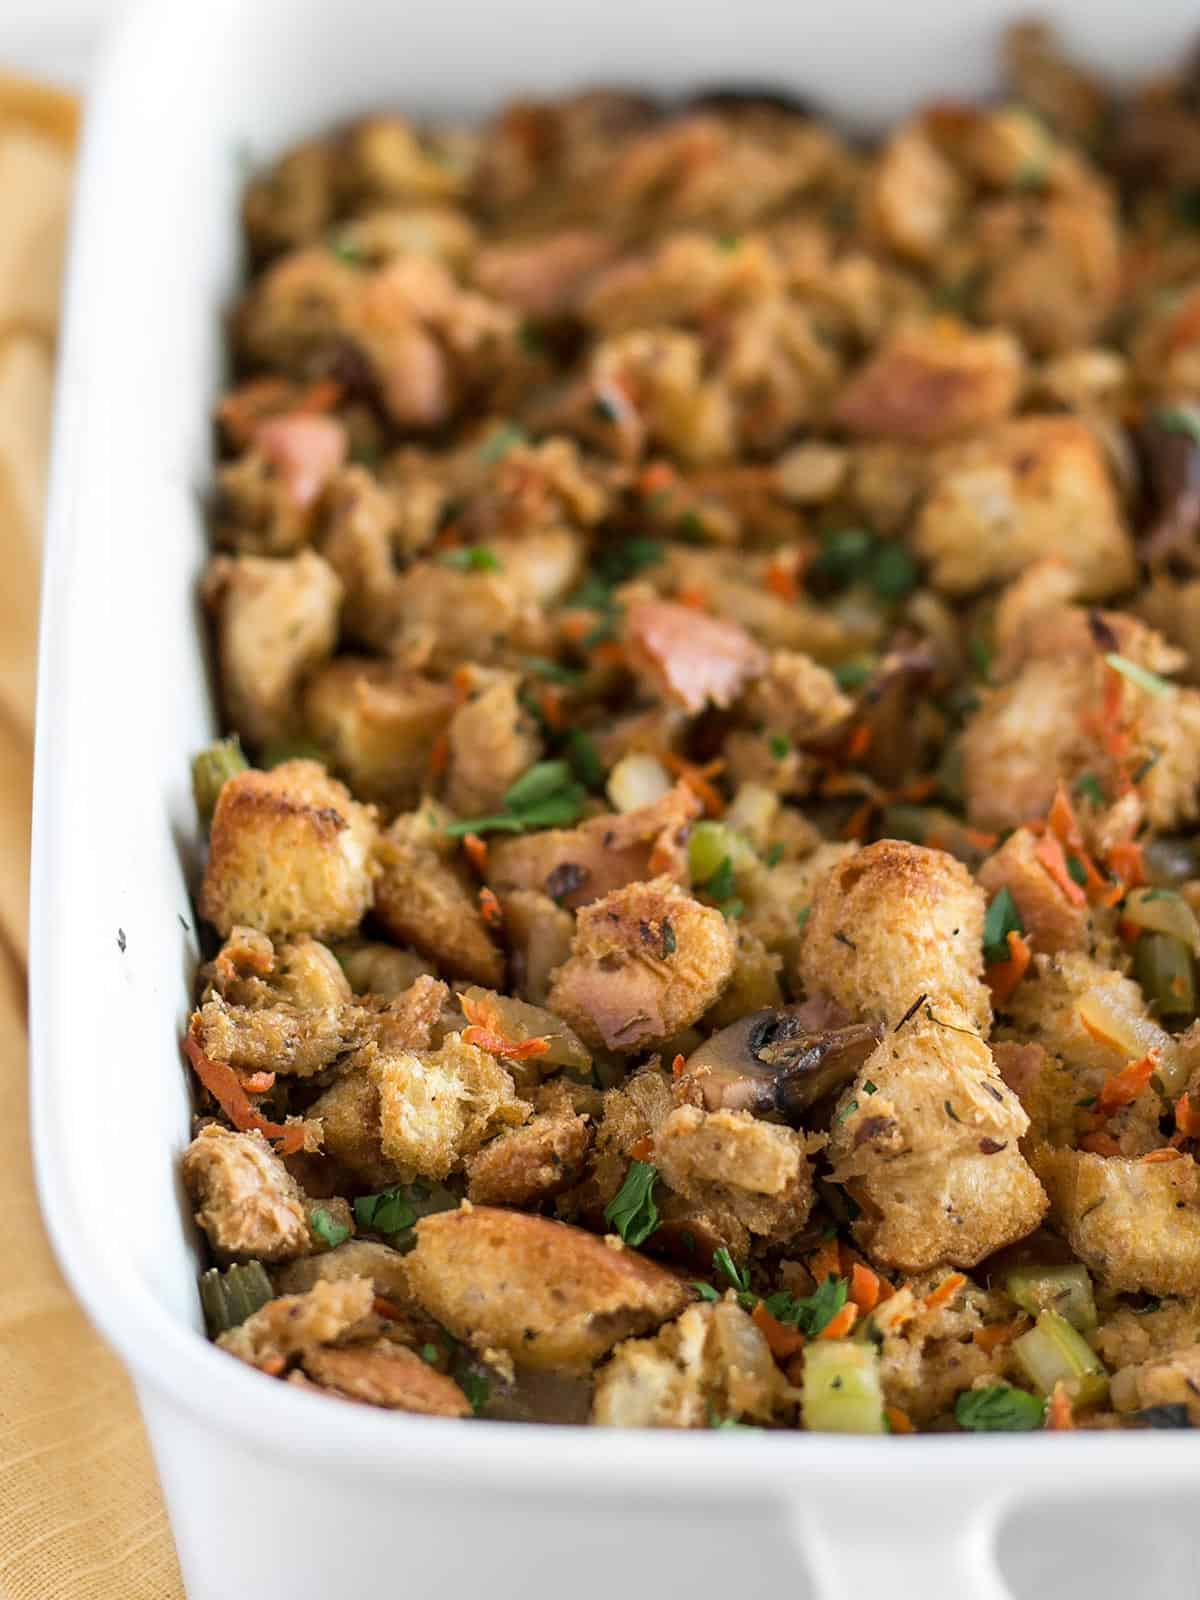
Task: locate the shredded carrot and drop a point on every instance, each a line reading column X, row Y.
column 1156, row 1157
column 258, row 1082
column 784, row 1342
column 945, row 1291
column 859, row 820
column 577, row 625
column 979, row 840
column 1125, row 860
column 1100, row 1144
column 1122, row 1088
column 486, row 1033
column 1186, row 1119
column 697, row 780
column 781, row 581
column 1062, row 822
column 898, row 1421
column 1060, row 1414
column 864, row 1287
column 678, row 1065
column 696, row 599
column 655, row 477
column 996, row 1334
column 551, row 703
column 919, row 789
column 840, row 1325
column 477, row 852
column 826, row 1261
column 463, row 681
column 1050, row 853
column 609, row 653
column 389, row 1309
column 272, row 1365
column 489, row 909
column 860, row 742
column 1004, row 976
column 439, row 755
column 642, row 1149
column 320, row 396
column 226, row 1088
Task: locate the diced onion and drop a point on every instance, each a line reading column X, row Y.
column 637, row 780
column 1163, row 912
column 1108, row 1016
column 752, row 811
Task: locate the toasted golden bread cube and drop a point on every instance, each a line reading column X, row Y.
column 246, row 1200
column 932, row 382
column 290, row 852
column 379, row 726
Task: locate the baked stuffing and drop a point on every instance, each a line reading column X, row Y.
column 703, row 871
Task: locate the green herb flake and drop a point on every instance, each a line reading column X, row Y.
column 546, row 796
column 1179, row 419
column 476, row 1388
column 706, row 1291
column 774, row 855
column 690, row 527
column 999, row 1409
column 387, row 1212
column 585, row 759
column 1076, row 870
column 1088, row 787
column 980, row 652
column 498, row 444
column 345, row 250
column 813, row 1313
column 802, row 917
column 721, row 885
column 1147, row 766
column 551, row 671
column 780, row 746
column 845, row 555
column 631, row 1211
column 1148, row 1308
column 626, row 560
column 724, row 1264
column 727, row 241
column 854, row 673
column 327, row 1229
column 893, row 573
column 532, row 336
column 474, row 558
column 1002, row 919
column 870, row 1088
column 1139, row 676
column 430, row 1353
column 847, row 1110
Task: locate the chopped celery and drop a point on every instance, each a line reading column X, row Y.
column 713, row 843
column 211, row 769
column 1067, row 1290
column 1054, row 1352
column 1163, row 911
column 231, row 1296
column 842, row 1391
column 1162, row 964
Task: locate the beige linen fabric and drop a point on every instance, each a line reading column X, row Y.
column 81, row 1517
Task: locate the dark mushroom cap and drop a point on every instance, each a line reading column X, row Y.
column 775, row 1062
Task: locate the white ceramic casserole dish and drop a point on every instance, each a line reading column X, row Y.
column 272, row 1492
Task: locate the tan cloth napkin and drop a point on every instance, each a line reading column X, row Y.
column 81, row 1517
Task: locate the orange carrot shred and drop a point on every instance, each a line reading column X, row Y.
column 677, row 1066
column 694, row 598
column 656, row 476
column 826, row 1261
column 996, row 1334
column 642, row 1149
column 439, row 755
column 1125, row 861
column 223, row 1083
column 784, row 1342
column 477, row 852
column 1122, row 1088
column 1062, row 822
column 258, row 1082
column 1050, row 853
column 1100, row 1144
column 1004, row 976
column 389, row 1309
column 898, row 1421
column 781, row 581
column 577, row 625
column 272, row 1365
column 550, row 700
column 980, row 840
column 609, row 653
column 859, row 820
column 840, row 1325
column 860, row 742
column 1060, row 1414
column 945, row 1291
column 697, row 780
column 1186, row 1119
column 1155, row 1157
column 864, row 1287
column 489, row 909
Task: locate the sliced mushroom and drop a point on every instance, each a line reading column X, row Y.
column 775, row 1062
column 1171, row 455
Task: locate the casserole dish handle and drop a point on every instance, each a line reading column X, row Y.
column 940, row 1546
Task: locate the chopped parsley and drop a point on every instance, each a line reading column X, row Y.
column 870, row 1088
column 690, row 527
column 585, row 759
column 430, row 1353
column 727, row 241
column 327, row 1229
column 1000, row 1409
column 721, row 885
column 779, row 745
column 532, row 336
column 546, row 796
column 854, row 673
column 344, row 250
column 497, row 445
column 775, row 855
column 631, row 1211
column 388, row 1212
column 980, row 652
column 847, row 1110
column 1144, row 679
column 1077, row 870
column 856, row 555
column 1002, row 919
column 621, row 562
column 550, row 671
column 739, row 1278
column 474, row 558
column 802, row 917
column 476, row 1388
column 1180, row 419
column 706, row 1291
column 813, row 1313
column 1087, row 787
